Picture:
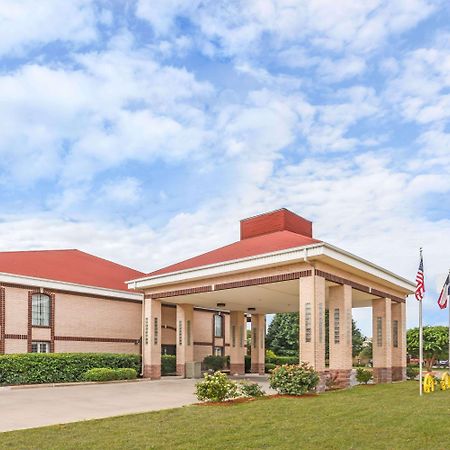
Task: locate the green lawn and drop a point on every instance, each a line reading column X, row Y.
column 372, row 417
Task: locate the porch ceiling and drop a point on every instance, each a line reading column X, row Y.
column 266, row 299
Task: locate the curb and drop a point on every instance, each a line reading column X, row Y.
column 76, row 383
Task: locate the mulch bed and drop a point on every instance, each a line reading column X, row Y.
column 227, row 402
column 251, row 399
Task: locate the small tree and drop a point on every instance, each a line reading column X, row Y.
column 435, row 344
column 283, row 333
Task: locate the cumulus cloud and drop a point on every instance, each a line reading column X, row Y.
column 27, row 24
column 237, row 27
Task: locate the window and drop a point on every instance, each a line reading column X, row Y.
column 308, row 322
column 155, row 331
column 321, row 328
column 218, row 326
column 40, row 313
column 188, row 332
column 395, row 333
column 379, row 331
column 40, row 347
column 218, row 351
column 169, row 349
column 337, row 326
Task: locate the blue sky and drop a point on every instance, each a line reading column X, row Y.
column 142, row 131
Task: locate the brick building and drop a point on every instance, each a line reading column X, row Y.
column 70, row 301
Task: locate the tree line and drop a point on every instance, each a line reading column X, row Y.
column 283, row 336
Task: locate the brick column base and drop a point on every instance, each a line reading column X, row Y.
column 258, row 368
column 398, row 373
column 382, row 374
column 238, row 369
column 152, row 371
column 339, row 378
column 181, row 370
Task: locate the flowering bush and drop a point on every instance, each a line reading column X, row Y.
column 216, row 388
column 293, row 379
column 247, row 389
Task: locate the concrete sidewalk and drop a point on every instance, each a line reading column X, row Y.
column 40, row 406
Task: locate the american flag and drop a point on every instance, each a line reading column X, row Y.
column 445, row 294
column 420, row 282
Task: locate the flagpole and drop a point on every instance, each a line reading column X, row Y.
column 420, row 342
column 448, row 306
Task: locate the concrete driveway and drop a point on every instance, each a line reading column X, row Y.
column 40, row 406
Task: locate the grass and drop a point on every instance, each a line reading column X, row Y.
column 366, row 417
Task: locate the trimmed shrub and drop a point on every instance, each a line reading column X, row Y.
column 293, row 379
column 213, row 362
column 363, row 375
column 216, row 388
column 269, row 367
column 247, row 389
column 168, row 364
column 248, row 364
column 34, row 368
column 280, row 360
column 106, row 374
column 412, row 372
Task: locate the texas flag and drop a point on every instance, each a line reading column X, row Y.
column 445, row 294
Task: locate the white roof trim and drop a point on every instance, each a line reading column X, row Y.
column 290, row 255
column 67, row 286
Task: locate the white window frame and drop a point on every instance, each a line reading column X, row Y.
column 40, row 312
column 218, row 319
column 41, row 347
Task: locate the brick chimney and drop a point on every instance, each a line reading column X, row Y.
column 270, row 222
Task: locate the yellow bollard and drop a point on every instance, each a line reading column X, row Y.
column 428, row 383
column 445, row 381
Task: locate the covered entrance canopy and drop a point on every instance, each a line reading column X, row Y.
column 277, row 266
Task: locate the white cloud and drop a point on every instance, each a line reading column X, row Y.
column 421, row 88
column 127, row 190
column 238, row 27
column 115, row 106
column 26, row 24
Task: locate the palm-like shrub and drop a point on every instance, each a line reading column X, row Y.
column 363, row 375
column 295, row 379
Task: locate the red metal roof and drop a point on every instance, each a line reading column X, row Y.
column 258, row 245
column 73, row 266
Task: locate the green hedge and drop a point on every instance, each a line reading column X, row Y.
column 168, row 364
column 280, row 360
column 34, row 368
column 106, row 374
column 271, row 362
